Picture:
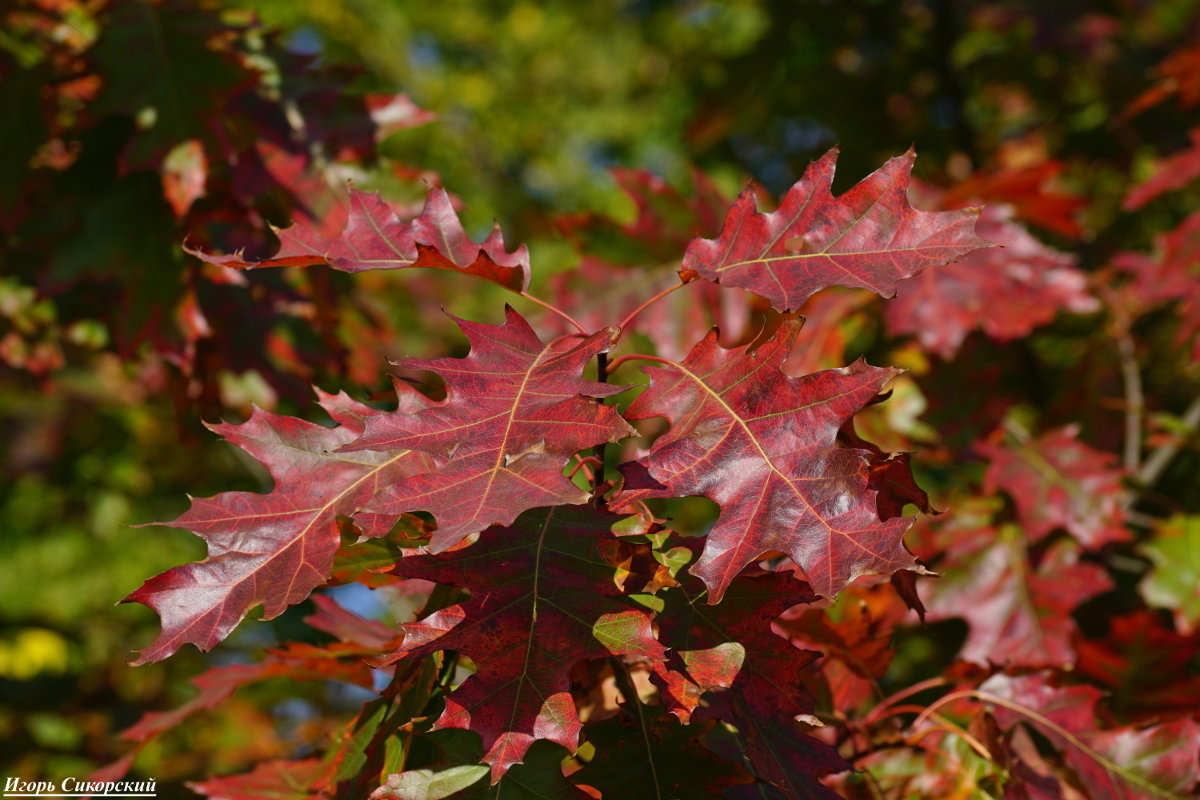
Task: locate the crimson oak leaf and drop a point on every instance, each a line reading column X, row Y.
column 869, row 237
column 761, row 689
column 762, row 445
column 1058, row 481
column 1138, row 763
column 516, row 410
column 1018, row 612
column 273, row 549
column 648, row 753
column 542, row 599
column 1005, row 291
column 306, row 779
column 1171, row 173
column 375, row 237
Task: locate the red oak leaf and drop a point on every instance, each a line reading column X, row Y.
column 1171, row 173
column 1153, row 762
column 869, row 237
column 1029, row 189
column 279, row 780
column 1144, row 664
column 762, row 676
column 855, row 633
column 1170, row 274
column 516, row 409
column 542, row 599
column 296, row 663
column 1006, row 292
column 650, row 754
column 1058, row 481
column 273, row 549
column 376, row 238
column 762, row 445
column 1178, row 76
column 1017, row 612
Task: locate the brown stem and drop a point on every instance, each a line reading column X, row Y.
column 1163, row 455
column 556, row 310
column 1131, row 378
column 599, row 450
column 625, row 322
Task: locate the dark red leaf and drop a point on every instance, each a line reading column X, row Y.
column 766, row 693
column 1170, row 274
column 515, row 410
column 1145, row 664
column 1058, row 481
column 376, row 238
column 273, row 549
column 542, row 598
column 869, row 237
column 1171, row 173
column 272, row 780
column 1004, row 291
column 296, row 663
column 647, row 753
column 762, row 445
column 1153, row 762
column 1029, row 190
column 1017, row 612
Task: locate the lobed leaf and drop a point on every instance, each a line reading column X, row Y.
column 516, row 410
column 273, row 549
column 1058, row 481
column 762, row 693
column 542, row 598
column 762, row 445
column 1004, row 291
column 375, row 237
column 869, row 237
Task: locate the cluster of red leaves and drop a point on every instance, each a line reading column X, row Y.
column 554, row 581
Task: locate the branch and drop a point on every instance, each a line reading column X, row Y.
column 1161, row 458
column 676, row 287
column 555, row 309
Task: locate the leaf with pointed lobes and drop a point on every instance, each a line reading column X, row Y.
column 307, row 779
column 1004, row 291
column 762, row 445
column 542, row 599
column 1058, row 481
column 516, row 410
column 1029, row 188
column 1169, row 274
column 297, row 662
column 1178, row 76
column 375, row 237
column 273, row 549
column 1158, row 761
column 1171, row 173
column 648, row 753
column 1018, row 611
column 765, row 693
column 869, row 237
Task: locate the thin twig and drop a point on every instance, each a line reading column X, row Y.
column 1131, row 378
column 555, row 309
column 625, row 322
column 1166, row 452
column 599, row 450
